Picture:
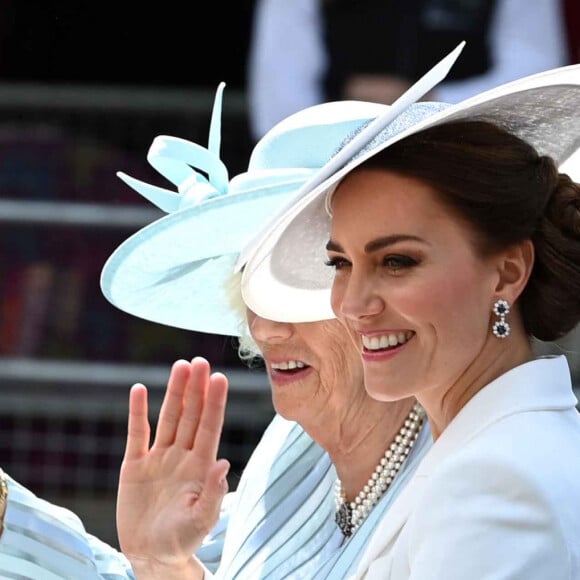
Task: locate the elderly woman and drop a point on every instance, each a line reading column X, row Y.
column 333, row 459
column 452, row 227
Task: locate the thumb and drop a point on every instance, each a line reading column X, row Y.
column 214, row 490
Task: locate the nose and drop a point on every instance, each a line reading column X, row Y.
column 267, row 331
column 356, row 297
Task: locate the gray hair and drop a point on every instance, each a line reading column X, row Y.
column 248, row 350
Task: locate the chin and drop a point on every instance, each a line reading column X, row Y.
column 287, row 408
column 380, row 390
column 384, row 396
column 288, row 415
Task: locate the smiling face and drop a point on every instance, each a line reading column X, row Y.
column 410, row 286
column 314, row 368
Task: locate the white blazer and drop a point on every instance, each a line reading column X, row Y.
column 497, row 497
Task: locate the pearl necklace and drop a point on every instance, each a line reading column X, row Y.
column 349, row 516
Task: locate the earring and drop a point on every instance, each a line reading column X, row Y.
column 501, row 327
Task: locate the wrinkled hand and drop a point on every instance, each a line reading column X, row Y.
column 170, row 494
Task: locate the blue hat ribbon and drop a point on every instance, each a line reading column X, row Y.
column 179, row 160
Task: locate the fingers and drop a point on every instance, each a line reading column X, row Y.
column 193, row 409
column 138, row 429
column 212, row 418
column 193, row 402
column 171, row 408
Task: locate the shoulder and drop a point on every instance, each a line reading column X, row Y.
column 516, row 445
column 23, row 505
column 529, row 454
column 41, row 539
column 503, row 503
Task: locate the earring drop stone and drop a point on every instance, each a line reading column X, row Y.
column 501, row 327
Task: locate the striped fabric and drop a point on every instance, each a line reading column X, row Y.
column 282, row 522
column 47, row 542
column 279, row 523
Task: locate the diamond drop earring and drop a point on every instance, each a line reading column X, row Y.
column 501, row 327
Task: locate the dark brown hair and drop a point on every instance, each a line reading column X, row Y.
column 508, row 193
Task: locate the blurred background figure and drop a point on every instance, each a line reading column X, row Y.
column 309, row 51
column 572, row 17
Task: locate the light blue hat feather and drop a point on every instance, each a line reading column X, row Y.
column 178, row 270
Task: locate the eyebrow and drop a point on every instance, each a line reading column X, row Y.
column 379, row 243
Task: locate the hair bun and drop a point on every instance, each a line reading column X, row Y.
column 563, row 208
column 552, row 298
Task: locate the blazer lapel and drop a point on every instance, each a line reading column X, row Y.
column 393, row 522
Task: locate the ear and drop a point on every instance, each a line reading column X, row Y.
column 514, row 268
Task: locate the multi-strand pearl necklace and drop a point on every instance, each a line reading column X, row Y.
column 349, row 516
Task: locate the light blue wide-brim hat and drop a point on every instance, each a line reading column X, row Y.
column 178, row 270
column 284, row 277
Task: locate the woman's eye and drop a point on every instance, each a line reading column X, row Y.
column 397, row 262
column 337, row 263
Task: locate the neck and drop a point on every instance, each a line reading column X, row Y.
column 351, row 511
column 443, row 403
column 363, row 440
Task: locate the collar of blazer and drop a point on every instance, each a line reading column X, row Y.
column 519, row 390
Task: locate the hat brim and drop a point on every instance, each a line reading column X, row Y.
column 284, row 276
column 178, row 271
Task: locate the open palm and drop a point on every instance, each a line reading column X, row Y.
column 170, row 493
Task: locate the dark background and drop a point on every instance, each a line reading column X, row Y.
column 169, row 44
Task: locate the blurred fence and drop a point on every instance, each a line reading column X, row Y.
column 67, row 357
